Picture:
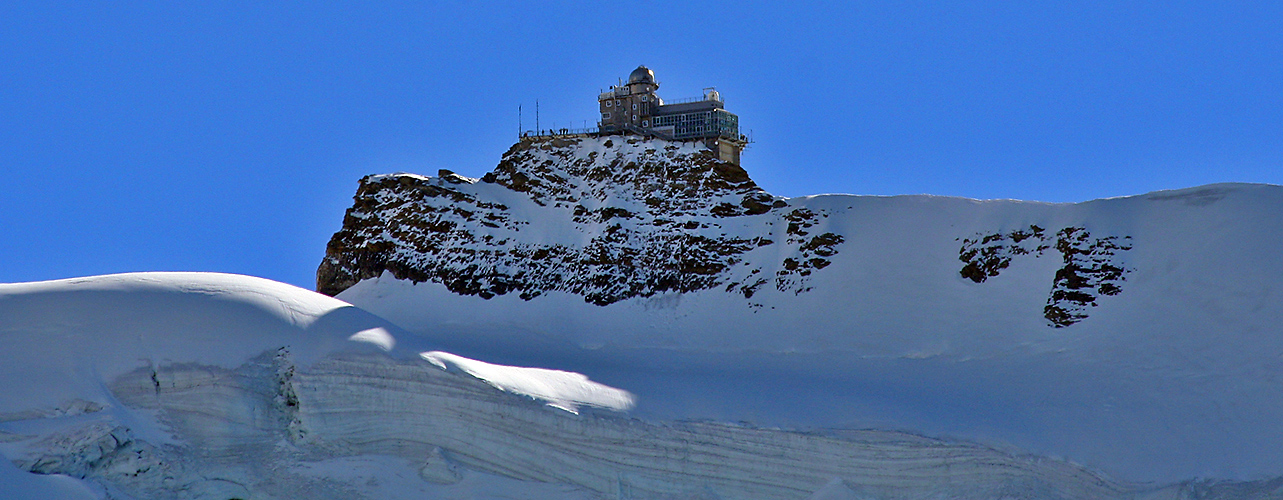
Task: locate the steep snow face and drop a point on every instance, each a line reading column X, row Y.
column 187, row 385
column 606, row 219
column 1139, row 335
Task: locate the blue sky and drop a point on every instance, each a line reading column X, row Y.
column 229, row 136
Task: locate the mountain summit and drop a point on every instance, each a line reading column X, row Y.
column 615, row 218
column 607, row 219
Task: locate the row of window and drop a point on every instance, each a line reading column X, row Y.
column 686, row 125
column 700, row 124
column 617, row 103
column 606, row 116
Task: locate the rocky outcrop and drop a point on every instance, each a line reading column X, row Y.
column 1092, row 265
column 605, row 218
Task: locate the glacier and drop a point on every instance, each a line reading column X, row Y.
column 200, row 385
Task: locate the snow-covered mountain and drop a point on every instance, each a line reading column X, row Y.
column 612, row 222
column 1140, row 336
column 608, row 219
column 624, row 319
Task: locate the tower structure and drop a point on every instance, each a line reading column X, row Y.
column 634, row 107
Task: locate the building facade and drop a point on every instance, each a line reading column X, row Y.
column 635, row 108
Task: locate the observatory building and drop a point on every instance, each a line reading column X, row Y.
column 635, row 108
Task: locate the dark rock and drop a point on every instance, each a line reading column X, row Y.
column 1089, row 266
column 438, row 230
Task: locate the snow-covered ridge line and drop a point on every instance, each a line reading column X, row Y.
column 284, row 298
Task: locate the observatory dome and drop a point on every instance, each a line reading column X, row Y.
column 641, row 75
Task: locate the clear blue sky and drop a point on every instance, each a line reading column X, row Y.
column 229, row 136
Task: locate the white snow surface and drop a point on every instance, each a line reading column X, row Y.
column 562, row 389
column 73, row 347
column 71, row 334
column 207, row 386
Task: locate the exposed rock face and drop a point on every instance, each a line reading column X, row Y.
column 608, row 219
column 1092, row 265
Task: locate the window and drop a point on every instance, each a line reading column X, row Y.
column 634, row 117
column 605, row 116
column 645, row 98
column 608, row 104
column 634, row 106
column 645, row 123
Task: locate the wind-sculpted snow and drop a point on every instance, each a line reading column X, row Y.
column 60, row 331
column 251, row 432
column 561, row 389
column 186, row 385
column 241, row 433
column 606, row 219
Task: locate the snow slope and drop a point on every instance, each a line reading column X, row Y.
column 191, row 385
column 71, row 347
column 1138, row 335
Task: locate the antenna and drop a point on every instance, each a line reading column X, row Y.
column 518, row 121
column 537, row 129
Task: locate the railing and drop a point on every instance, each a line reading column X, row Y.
column 628, row 127
column 641, row 131
column 558, row 132
column 613, row 93
column 685, row 100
